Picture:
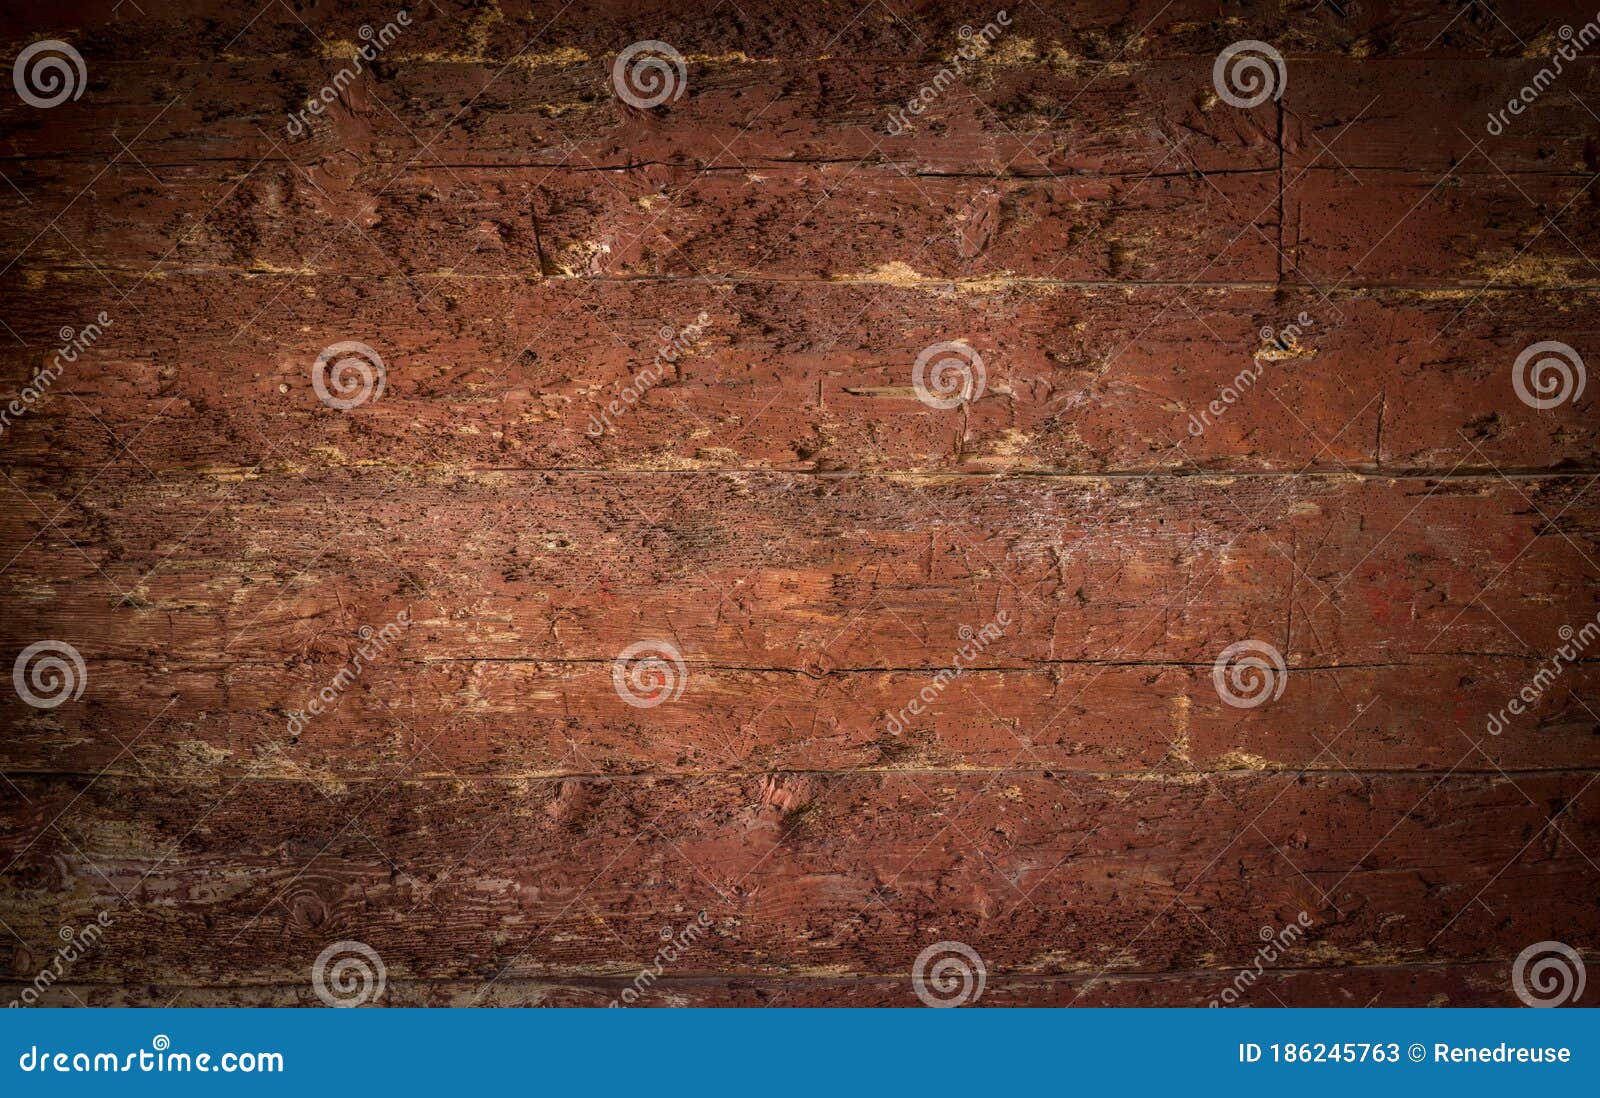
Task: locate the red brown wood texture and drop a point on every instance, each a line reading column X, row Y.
column 1081, row 806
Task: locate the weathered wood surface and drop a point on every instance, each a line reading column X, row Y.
column 541, row 719
column 677, row 223
column 1069, row 29
column 511, row 372
column 1035, row 120
column 1482, row 984
column 782, row 571
column 1121, row 247
column 1434, row 115
column 1039, row 118
column 821, row 222
column 1042, row 874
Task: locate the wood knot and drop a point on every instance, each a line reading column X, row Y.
column 43, row 875
column 319, row 904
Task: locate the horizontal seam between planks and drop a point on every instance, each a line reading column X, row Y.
column 976, row 284
column 1145, row 776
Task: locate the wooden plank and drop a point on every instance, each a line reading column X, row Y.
column 820, row 222
column 1031, row 120
column 1434, row 116
column 827, row 221
column 1486, row 984
column 1065, row 29
column 782, row 571
column 517, row 373
column 1425, row 229
column 800, row 875
column 1122, row 117
column 814, row 222
column 539, row 719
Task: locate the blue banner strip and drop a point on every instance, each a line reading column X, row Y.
column 797, row 1052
